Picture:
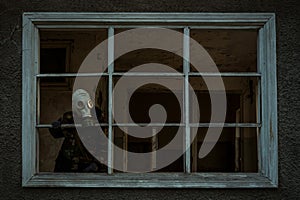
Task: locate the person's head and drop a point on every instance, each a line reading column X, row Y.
column 82, row 103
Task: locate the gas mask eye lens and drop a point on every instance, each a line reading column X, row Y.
column 90, row 104
column 80, row 104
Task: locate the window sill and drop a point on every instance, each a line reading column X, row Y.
column 151, row 180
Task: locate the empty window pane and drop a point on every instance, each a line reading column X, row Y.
column 234, row 151
column 231, row 50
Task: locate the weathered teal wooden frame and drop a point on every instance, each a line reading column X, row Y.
column 267, row 142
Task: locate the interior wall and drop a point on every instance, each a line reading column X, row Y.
column 288, row 70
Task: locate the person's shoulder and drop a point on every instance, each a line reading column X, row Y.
column 68, row 117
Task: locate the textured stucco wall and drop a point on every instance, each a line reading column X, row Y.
column 288, row 96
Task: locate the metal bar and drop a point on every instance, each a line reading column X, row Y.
column 149, row 125
column 186, row 69
column 237, row 143
column 147, row 74
column 258, row 102
column 154, row 148
column 247, row 74
column 241, row 125
column 238, row 74
column 110, row 96
column 67, row 125
column 71, row 75
column 225, row 125
column 125, row 147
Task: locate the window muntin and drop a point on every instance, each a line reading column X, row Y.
column 262, row 34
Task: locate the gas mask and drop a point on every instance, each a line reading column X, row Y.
column 82, row 105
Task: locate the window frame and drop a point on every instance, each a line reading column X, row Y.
column 267, row 176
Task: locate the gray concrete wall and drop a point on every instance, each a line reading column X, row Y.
column 288, row 67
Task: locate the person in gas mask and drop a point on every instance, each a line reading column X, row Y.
column 73, row 156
